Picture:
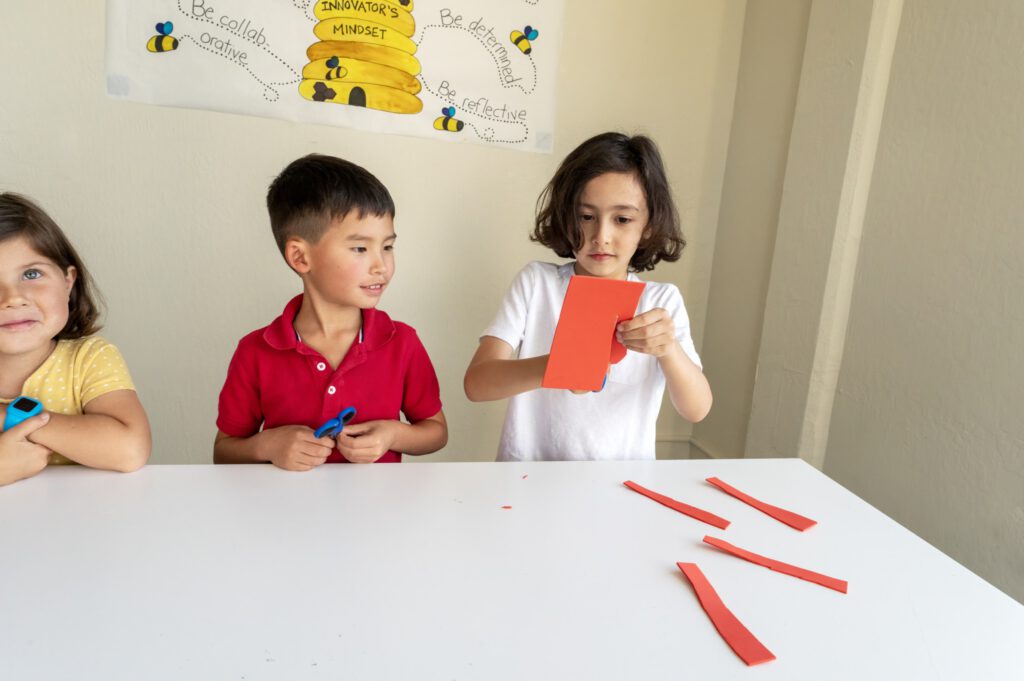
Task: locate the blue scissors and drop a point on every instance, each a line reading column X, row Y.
column 336, row 425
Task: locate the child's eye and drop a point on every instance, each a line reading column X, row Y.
column 585, row 217
column 389, row 247
column 359, row 249
column 623, row 220
column 32, row 274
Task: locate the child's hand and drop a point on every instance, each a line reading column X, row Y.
column 21, row 458
column 367, row 442
column 294, row 448
column 652, row 333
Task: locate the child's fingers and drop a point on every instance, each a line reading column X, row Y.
column 28, row 426
column 642, row 319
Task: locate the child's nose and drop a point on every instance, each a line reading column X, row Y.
column 11, row 296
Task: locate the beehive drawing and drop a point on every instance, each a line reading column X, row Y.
column 365, row 56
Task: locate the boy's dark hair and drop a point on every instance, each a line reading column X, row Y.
column 317, row 189
column 557, row 226
column 21, row 217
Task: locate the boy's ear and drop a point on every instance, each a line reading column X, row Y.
column 296, row 254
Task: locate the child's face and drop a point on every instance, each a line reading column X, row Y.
column 612, row 216
column 34, row 295
column 354, row 260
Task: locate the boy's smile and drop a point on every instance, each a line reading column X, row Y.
column 353, row 262
column 612, row 217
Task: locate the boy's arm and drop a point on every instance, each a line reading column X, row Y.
column 112, row 434
column 366, row 442
column 292, row 448
column 493, row 374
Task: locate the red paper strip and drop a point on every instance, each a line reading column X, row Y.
column 782, row 515
column 692, row 511
column 731, row 629
column 584, row 343
column 777, row 565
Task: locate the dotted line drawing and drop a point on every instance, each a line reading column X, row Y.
column 488, row 133
column 264, row 47
column 307, row 9
column 269, row 93
column 423, row 30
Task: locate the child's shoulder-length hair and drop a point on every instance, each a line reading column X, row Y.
column 557, row 226
column 21, row 217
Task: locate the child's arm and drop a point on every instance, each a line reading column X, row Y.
column 293, row 448
column 112, row 434
column 366, row 442
column 493, row 374
column 20, row 458
column 654, row 333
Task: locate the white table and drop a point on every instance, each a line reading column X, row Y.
column 415, row 571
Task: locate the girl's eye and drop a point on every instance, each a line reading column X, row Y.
column 359, row 249
column 585, row 217
column 389, row 247
column 622, row 220
column 32, row 274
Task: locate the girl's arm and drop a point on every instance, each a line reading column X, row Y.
column 20, row 458
column 493, row 374
column 653, row 333
column 113, row 433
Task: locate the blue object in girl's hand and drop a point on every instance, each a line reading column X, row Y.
column 335, row 426
column 20, row 409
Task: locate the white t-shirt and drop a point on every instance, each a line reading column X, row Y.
column 555, row 425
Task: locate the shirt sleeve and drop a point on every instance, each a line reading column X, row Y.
column 103, row 371
column 421, row 396
column 238, row 408
column 675, row 307
column 510, row 323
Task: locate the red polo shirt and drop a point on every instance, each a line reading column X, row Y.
column 276, row 380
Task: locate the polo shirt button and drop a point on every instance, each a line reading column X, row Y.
column 320, row 366
column 332, row 390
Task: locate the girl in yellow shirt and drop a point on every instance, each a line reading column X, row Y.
column 48, row 313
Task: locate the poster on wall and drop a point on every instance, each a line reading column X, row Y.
column 479, row 71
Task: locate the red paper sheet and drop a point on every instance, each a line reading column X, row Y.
column 584, row 343
column 692, row 511
column 782, row 515
column 731, row 629
column 785, row 568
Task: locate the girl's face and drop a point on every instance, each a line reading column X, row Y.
column 612, row 215
column 34, row 294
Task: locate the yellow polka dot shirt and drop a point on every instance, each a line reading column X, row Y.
column 76, row 372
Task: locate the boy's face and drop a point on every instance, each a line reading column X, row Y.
column 354, row 260
column 612, row 217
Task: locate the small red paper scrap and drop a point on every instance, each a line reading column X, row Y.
column 692, row 511
column 506, row 507
column 785, row 568
column 739, row 638
column 782, row 515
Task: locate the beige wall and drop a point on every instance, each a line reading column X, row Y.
column 927, row 420
column 166, row 205
column 773, row 45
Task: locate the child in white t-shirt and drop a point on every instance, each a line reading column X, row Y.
column 609, row 206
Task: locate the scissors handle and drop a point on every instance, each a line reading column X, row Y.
column 336, row 425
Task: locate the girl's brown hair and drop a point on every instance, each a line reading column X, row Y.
column 557, row 226
column 21, row 217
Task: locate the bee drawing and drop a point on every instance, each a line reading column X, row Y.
column 163, row 41
column 447, row 121
column 521, row 39
column 335, row 71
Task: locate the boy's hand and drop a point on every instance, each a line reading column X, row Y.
column 19, row 457
column 294, row 448
column 366, row 442
column 652, row 333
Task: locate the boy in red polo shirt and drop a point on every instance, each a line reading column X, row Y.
column 330, row 348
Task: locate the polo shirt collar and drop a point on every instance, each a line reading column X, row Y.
column 377, row 328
